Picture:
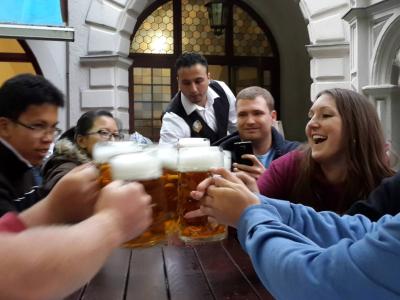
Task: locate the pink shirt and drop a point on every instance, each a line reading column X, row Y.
column 278, row 181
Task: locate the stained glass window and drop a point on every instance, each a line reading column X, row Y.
column 167, row 32
column 155, row 34
column 248, row 38
column 197, row 35
column 152, row 93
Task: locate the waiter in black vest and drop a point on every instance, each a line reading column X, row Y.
column 202, row 107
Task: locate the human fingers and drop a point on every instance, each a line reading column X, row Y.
column 196, row 195
column 207, row 211
column 194, row 214
column 202, row 188
column 248, row 180
column 251, row 157
column 241, row 167
column 225, row 174
column 224, row 183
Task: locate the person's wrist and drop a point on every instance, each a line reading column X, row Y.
column 42, row 213
column 111, row 225
column 253, row 200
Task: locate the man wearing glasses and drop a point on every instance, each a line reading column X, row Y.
column 28, row 125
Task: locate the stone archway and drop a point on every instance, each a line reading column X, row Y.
column 384, row 89
column 384, row 51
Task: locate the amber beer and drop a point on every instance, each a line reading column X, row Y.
column 168, row 155
column 194, row 163
column 146, row 169
column 104, row 151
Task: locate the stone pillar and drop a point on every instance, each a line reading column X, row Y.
column 99, row 60
column 329, row 48
column 108, row 85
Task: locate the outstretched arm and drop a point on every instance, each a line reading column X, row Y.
column 323, row 228
column 51, row 262
column 291, row 266
column 226, row 197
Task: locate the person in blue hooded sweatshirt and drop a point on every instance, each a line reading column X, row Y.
column 299, row 253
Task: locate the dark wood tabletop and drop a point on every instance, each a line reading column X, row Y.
column 218, row 270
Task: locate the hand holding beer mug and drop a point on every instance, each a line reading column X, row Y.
column 145, row 168
column 193, row 165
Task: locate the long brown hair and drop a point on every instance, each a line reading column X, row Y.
column 364, row 146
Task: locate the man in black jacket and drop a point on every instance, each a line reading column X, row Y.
column 28, row 119
column 255, row 118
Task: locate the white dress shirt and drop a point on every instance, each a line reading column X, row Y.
column 174, row 127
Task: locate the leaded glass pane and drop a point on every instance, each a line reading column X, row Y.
column 248, row 38
column 245, row 77
column 150, row 99
column 155, row 34
column 218, row 72
column 197, row 35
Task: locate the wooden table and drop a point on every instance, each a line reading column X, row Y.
column 219, row 270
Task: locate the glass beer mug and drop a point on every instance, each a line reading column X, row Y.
column 104, row 151
column 168, row 155
column 145, row 168
column 193, row 142
column 193, row 165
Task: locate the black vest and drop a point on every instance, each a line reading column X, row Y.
column 198, row 127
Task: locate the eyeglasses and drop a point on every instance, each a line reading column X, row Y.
column 107, row 135
column 41, row 129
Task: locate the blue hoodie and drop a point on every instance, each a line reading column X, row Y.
column 301, row 254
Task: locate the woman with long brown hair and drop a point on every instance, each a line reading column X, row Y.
column 343, row 161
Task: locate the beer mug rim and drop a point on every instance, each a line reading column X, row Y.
column 135, row 166
column 196, row 159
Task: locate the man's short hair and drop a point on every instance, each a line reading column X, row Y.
column 21, row 91
column 189, row 59
column 253, row 92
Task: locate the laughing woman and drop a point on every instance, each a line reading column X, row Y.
column 343, row 161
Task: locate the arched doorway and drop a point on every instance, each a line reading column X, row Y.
column 245, row 54
column 16, row 58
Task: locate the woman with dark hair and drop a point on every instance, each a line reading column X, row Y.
column 76, row 144
column 343, row 161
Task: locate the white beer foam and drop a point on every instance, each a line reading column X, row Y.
column 227, row 159
column 193, row 142
column 103, row 152
column 199, row 159
column 168, row 156
column 135, row 166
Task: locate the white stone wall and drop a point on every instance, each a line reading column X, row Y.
column 98, row 58
column 375, row 43
column 291, row 38
column 329, row 43
column 51, row 57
